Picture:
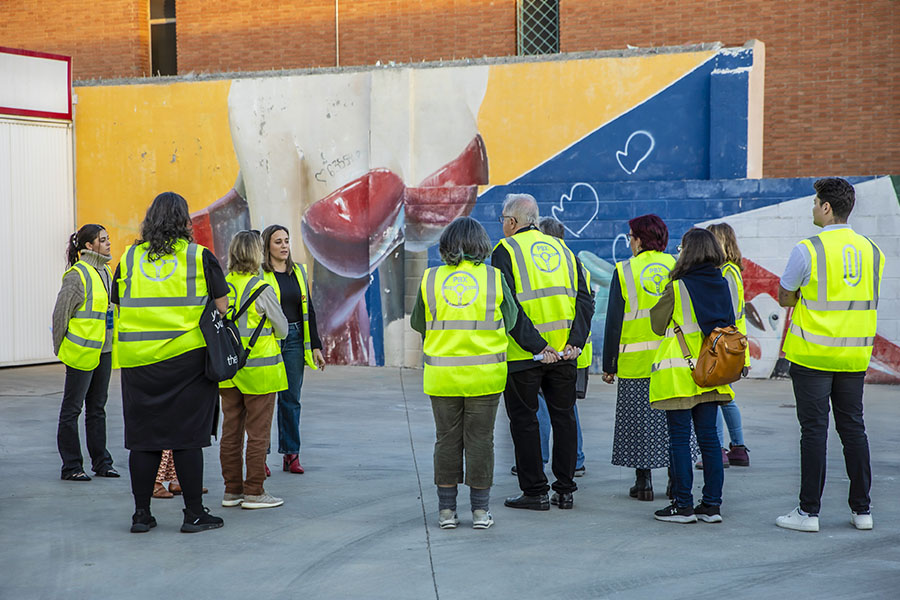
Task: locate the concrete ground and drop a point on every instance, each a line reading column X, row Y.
column 361, row 523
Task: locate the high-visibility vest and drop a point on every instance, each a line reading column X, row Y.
column 160, row 304
column 264, row 372
column 546, row 285
column 670, row 374
column 300, row 274
column 587, row 353
column 86, row 330
column 642, row 280
column 732, row 274
column 834, row 322
column 465, row 340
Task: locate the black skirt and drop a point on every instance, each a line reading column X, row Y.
column 169, row 405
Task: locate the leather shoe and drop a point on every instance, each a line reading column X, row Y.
column 540, row 502
column 565, row 500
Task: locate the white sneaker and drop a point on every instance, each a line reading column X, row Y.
column 861, row 521
column 264, row 500
column 232, row 499
column 447, row 519
column 798, row 522
column 482, row 519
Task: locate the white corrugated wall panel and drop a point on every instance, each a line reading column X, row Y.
column 36, row 217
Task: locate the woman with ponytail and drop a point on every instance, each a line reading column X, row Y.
column 82, row 339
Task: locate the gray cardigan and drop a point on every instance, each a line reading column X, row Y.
column 71, row 295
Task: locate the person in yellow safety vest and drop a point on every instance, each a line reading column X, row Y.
column 554, row 320
column 554, row 227
column 248, row 399
column 302, row 345
column 833, row 281
column 640, row 435
column 736, row 454
column 464, row 310
column 82, row 339
column 695, row 301
column 161, row 287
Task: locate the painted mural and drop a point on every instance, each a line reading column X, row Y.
column 366, row 168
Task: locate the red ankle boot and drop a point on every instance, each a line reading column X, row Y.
column 291, row 463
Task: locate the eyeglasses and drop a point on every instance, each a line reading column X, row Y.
column 504, row 217
column 679, row 248
column 628, row 237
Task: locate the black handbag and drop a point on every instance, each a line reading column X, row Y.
column 225, row 353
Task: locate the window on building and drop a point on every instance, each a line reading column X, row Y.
column 537, row 27
column 163, row 55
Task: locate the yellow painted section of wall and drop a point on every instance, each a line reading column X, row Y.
column 135, row 141
column 532, row 111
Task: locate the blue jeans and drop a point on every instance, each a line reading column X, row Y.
column 289, row 399
column 679, row 425
column 543, row 416
column 732, row 419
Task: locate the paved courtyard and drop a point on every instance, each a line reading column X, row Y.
column 361, row 523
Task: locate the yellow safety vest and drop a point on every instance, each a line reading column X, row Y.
column 642, row 280
column 264, row 372
column 732, row 274
column 587, row 353
column 465, row 340
column 160, row 304
column 546, row 285
column 834, row 322
column 670, row 374
column 86, row 330
column 300, row 274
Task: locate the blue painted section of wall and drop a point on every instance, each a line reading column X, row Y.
column 376, row 320
column 728, row 123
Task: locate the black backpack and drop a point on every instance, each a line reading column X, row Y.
column 225, row 353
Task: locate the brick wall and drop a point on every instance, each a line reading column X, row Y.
column 832, row 69
column 105, row 38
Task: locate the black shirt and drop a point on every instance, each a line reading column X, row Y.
column 291, row 304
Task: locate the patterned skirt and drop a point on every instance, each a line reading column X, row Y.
column 641, row 438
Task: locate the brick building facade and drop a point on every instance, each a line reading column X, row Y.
column 832, row 74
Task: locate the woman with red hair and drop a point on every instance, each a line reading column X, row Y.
column 641, row 440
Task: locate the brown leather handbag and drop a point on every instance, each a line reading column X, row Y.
column 721, row 359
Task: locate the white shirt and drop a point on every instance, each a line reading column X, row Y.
column 799, row 265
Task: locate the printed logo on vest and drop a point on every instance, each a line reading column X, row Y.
column 653, row 278
column 158, row 270
column 545, row 257
column 459, row 289
column 852, row 265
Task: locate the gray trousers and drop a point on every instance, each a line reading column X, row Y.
column 464, row 425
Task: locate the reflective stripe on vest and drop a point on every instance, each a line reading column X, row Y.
column 834, row 324
column 670, row 374
column 86, row 329
column 546, row 292
column 160, row 304
column 264, row 371
column 642, row 279
column 465, row 340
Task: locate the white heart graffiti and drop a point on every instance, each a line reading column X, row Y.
column 624, row 153
column 556, row 210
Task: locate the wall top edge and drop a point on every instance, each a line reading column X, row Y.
column 630, row 51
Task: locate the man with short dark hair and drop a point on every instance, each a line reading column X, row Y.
column 832, row 280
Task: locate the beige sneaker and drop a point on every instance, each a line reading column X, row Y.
column 264, row 500
column 447, row 519
column 232, row 499
column 482, row 519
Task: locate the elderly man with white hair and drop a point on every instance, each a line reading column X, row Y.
column 552, row 328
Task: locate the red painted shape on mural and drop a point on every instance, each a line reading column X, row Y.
column 352, row 229
column 469, row 168
column 430, row 209
column 202, row 229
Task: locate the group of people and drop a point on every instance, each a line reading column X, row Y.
column 519, row 327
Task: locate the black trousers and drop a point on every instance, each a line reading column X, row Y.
column 143, row 465
column 557, row 381
column 812, row 390
column 88, row 389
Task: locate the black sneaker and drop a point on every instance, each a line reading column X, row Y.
column 708, row 513
column 194, row 522
column 676, row 514
column 142, row 521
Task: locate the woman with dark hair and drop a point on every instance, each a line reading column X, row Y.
column 302, row 345
column 640, row 441
column 694, row 302
column 464, row 310
column 161, row 286
column 82, row 339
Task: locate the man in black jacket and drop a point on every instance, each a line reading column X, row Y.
column 554, row 320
